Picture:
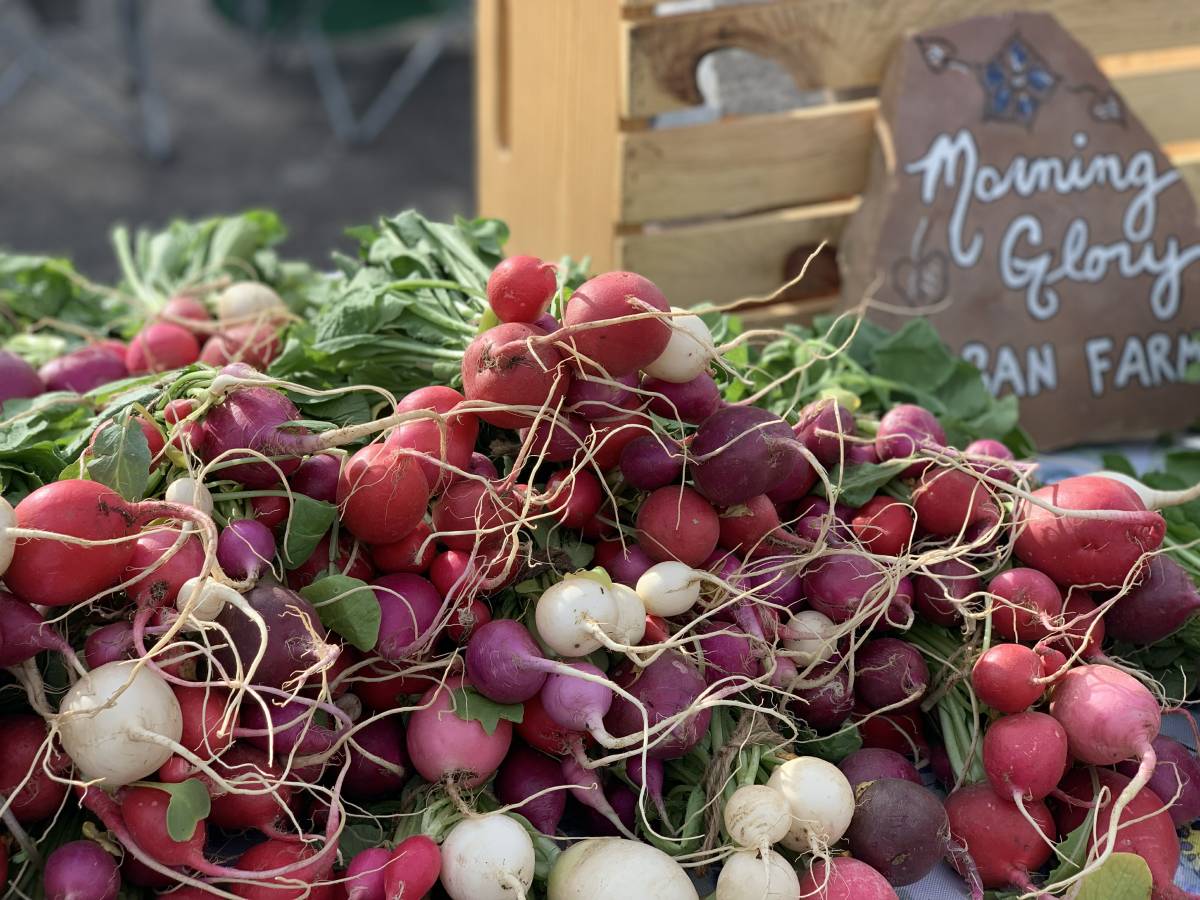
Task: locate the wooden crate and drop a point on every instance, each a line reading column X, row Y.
column 567, row 92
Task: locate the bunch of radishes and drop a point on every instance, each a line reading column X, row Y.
column 585, row 594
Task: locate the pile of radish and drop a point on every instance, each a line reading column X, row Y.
column 581, row 622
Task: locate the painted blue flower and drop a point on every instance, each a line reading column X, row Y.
column 1016, row 82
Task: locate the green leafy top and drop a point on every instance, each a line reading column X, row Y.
column 471, row 706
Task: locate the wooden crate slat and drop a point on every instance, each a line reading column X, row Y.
column 846, row 43
column 742, row 165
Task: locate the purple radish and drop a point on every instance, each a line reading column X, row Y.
column 409, row 607
column 823, row 427
column 81, row 870
column 667, row 687
column 1159, row 604
column 24, row 633
column 726, row 653
column 739, row 452
column 939, row 589
column 1177, row 773
column 889, row 671
column 598, row 399
column 378, row 760
column 651, row 461
column 108, row 643
column 245, row 549
column 841, row 584
column 691, row 402
column 624, row 564
column 317, row 477
column 649, row 775
column 577, row 704
column 873, row 763
column 524, row 773
column 829, row 704
column 17, row 378
column 587, row 789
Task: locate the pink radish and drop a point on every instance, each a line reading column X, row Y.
column 1026, row 603
column 1025, row 755
column 520, row 288
column 443, row 746
column 160, row 347
column 619, row 348
column 452, row 443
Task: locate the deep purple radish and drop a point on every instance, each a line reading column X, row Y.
column 775, row 579
column 741, row 451
column 844, row 878
column 17, row 378
column 577, row 704
column 1176, row 779
column 1087, row 552
column 726, row 653
column 651, row 461
column 625, row 347
column 83, row 370
column 873, row 763
column 624, row 564
column 24, row 633
column 382, row 494
column 1004, row 677
column 556, row 438
column 668, row 686
column 1025, row 755
column 409, row 606
column 364, row 875
column 623, row 801
column 252, row 418
column 802, row 479
column 827, row 705
column 650, row 775
column 508, row 365
column 504, row 662
column 587, row 788
column 291, row 726
column 595, row 397
column 317, row 477
column 1025, row 603
column 443, row 746
column 858, row 453
column 108, row 643
column 378, row 760
column 842, row 585
column 81, row 870
column 950, row 502
column 889, row 671
column 691, row 402
column 481, row 465
column 1004, row 846
column 823, row 426
column 526, row 772
column 899, row 828
column 292, row 643
column 1158, row 605
column 941, row 588
column 992, row 458
column 245, row 549
column 904, row 431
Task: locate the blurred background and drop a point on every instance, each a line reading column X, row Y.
column 330, row 112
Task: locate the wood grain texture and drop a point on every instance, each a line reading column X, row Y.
column 839, row 44
column 547, row 123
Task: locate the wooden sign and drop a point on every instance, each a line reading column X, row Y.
column 1016, row 202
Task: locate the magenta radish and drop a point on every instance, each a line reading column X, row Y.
column 950, row 502
column 504, row 662
column 651, row 461
column 365, row 874
column 488, row 857
column 578, row 704
column 741, row 451
column 889, row 671
column 575, row 497
column 624, row 564
column 520, row 288
column 409, row 605
column 899, row 828
column 24, row 633
column 691, row 402
column 649, row 775
column 1158, row 605
column 1003, row 844
column 381, row 494
column 726, row 652
column 245, row 549
column 317, row 477
column 904, row 431
column 942, row 587
column 595, row 397
column 1176, row 779
column 823, row 427
column 843, row 585
column 526, row 773
column 160, row 347
column 1025, row 755
column 24, row 754
column 252, row 343
column 377, row 759
column 289, row 643
column 667, row 687
column 509, row 366
column 676, row 523
column 81, row 870
column 451, row 442
column 1005, row 677
column 443, row 746
column 991, row 458
column 284, row 728
column 83, row 370
column 873, row 763
column 17, row 378
column 624, row 347
column 253, row 419
column 469, row 514
column 844, row 878
column 1024, row 604
column 412, row 868
column 1099, row 550
column 585, row 786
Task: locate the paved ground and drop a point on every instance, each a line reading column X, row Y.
column 246, row 134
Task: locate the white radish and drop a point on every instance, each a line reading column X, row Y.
column 118, row 723
column 245, row 300
column 1153, row 498
column 757, row 816
column 669, row 589
column 617, row 869
column 688, row 352
column 631, row 616
column 8, row 519
column 820, row 800
column 569, row 615
column 211, row 600
column 815, row 637
column 487, row 858
column 757, row 875
column 190, row 492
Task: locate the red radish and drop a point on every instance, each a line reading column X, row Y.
column 382, row 494
column 1085, row 552
column 383, row 686
column 291, row 645
column 844, row 878
column 456, row 574
column 413, row 553
column 520, row 288
column 271, row 511
column 541, row 732
column 904, row 431
column 741, row 451
column 950, row 502
column 991, row 458
column 17, row 378
column 443, row 746
column 303, row 883
column 24, row 754
column 753, row 529
column 901, row 731
column 252, row 343
column 677, row 523
column 1054, row 662
column 885, row 526
column 581, row 495
column 84, row 369
column 364, row 875
column 160, row 567
column 666, row 687
column 1025, row 602
column 873, row 763
column 351, row 560
column 144, row 810
column 24, row 633
column 1003, row 844
column 409, row 605
column 1158, row 605
column 203, row 711
column 1004, row 677
column 1025, row 755
column 412, row 869
column 263, row 795
column 1176, row 779
column 470, row 514
column 525, row 773
column 726, row 652
column 1084, row 627
column 621, row 348
column 466, row 620
column 81, row 870
column 942, row 587
column 160, row 347
column 454, row 447
column 154, row 438
column 889, row 671
column 508, row 365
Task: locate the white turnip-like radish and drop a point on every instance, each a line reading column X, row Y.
column 487, row 858
column 573, row 615
column 246, row 300
column 8, row 519
column 119, row 722
column 811, row 637
column 757, row 816
column 820, row 800
column 688, row 352
column 203, row 600
column 669, row 589
column 757, row 875
column 190, row 492
column 617, row 869
column 631, row 615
